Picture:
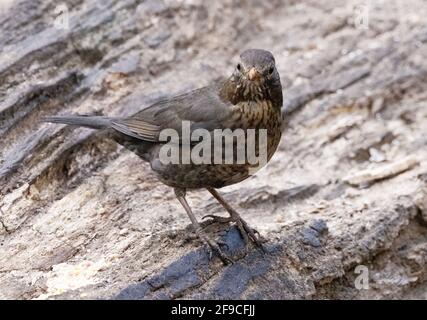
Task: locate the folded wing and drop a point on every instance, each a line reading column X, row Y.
column 202, row 108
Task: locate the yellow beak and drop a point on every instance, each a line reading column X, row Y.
column 253, row 74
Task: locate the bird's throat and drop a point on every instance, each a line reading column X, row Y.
column 237, row 91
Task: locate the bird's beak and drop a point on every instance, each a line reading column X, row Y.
column 253, row 74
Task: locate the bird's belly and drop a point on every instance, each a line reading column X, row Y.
column 191, row 176
column 213, row 174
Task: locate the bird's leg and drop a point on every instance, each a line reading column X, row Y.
column 247, row 232
column 213, row 246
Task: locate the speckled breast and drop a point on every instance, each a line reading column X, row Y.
column 254, row 115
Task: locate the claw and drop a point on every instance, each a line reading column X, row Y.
column 223, row 244
column 252, row 235
column 215, row 247
column 248, row 234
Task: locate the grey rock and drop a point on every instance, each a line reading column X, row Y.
column 66, row 193
column 310, row 236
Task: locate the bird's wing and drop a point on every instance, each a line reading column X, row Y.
column 203, row 108
column 137, row 128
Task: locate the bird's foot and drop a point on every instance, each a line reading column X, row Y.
column 214, row 247
column 248, row 234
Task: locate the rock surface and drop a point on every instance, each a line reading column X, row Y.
column 343, row 203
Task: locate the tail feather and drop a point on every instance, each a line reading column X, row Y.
column 94, row 122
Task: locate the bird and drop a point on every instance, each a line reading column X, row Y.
column 250, row 99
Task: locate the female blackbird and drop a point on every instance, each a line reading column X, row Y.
column 251, row 99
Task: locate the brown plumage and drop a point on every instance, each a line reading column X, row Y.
column 250, row 99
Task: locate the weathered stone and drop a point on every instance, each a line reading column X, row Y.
column 82, row 218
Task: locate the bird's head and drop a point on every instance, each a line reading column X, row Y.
column 256, row 76
column 256, row 65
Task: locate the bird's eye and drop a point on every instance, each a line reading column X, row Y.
column 271, row 70
column 239, row 67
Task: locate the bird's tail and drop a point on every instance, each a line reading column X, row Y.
column 94, row 122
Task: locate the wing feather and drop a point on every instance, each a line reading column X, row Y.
column 137, row 128
column 203, row 108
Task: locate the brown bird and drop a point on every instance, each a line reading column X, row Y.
column 250, row 99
